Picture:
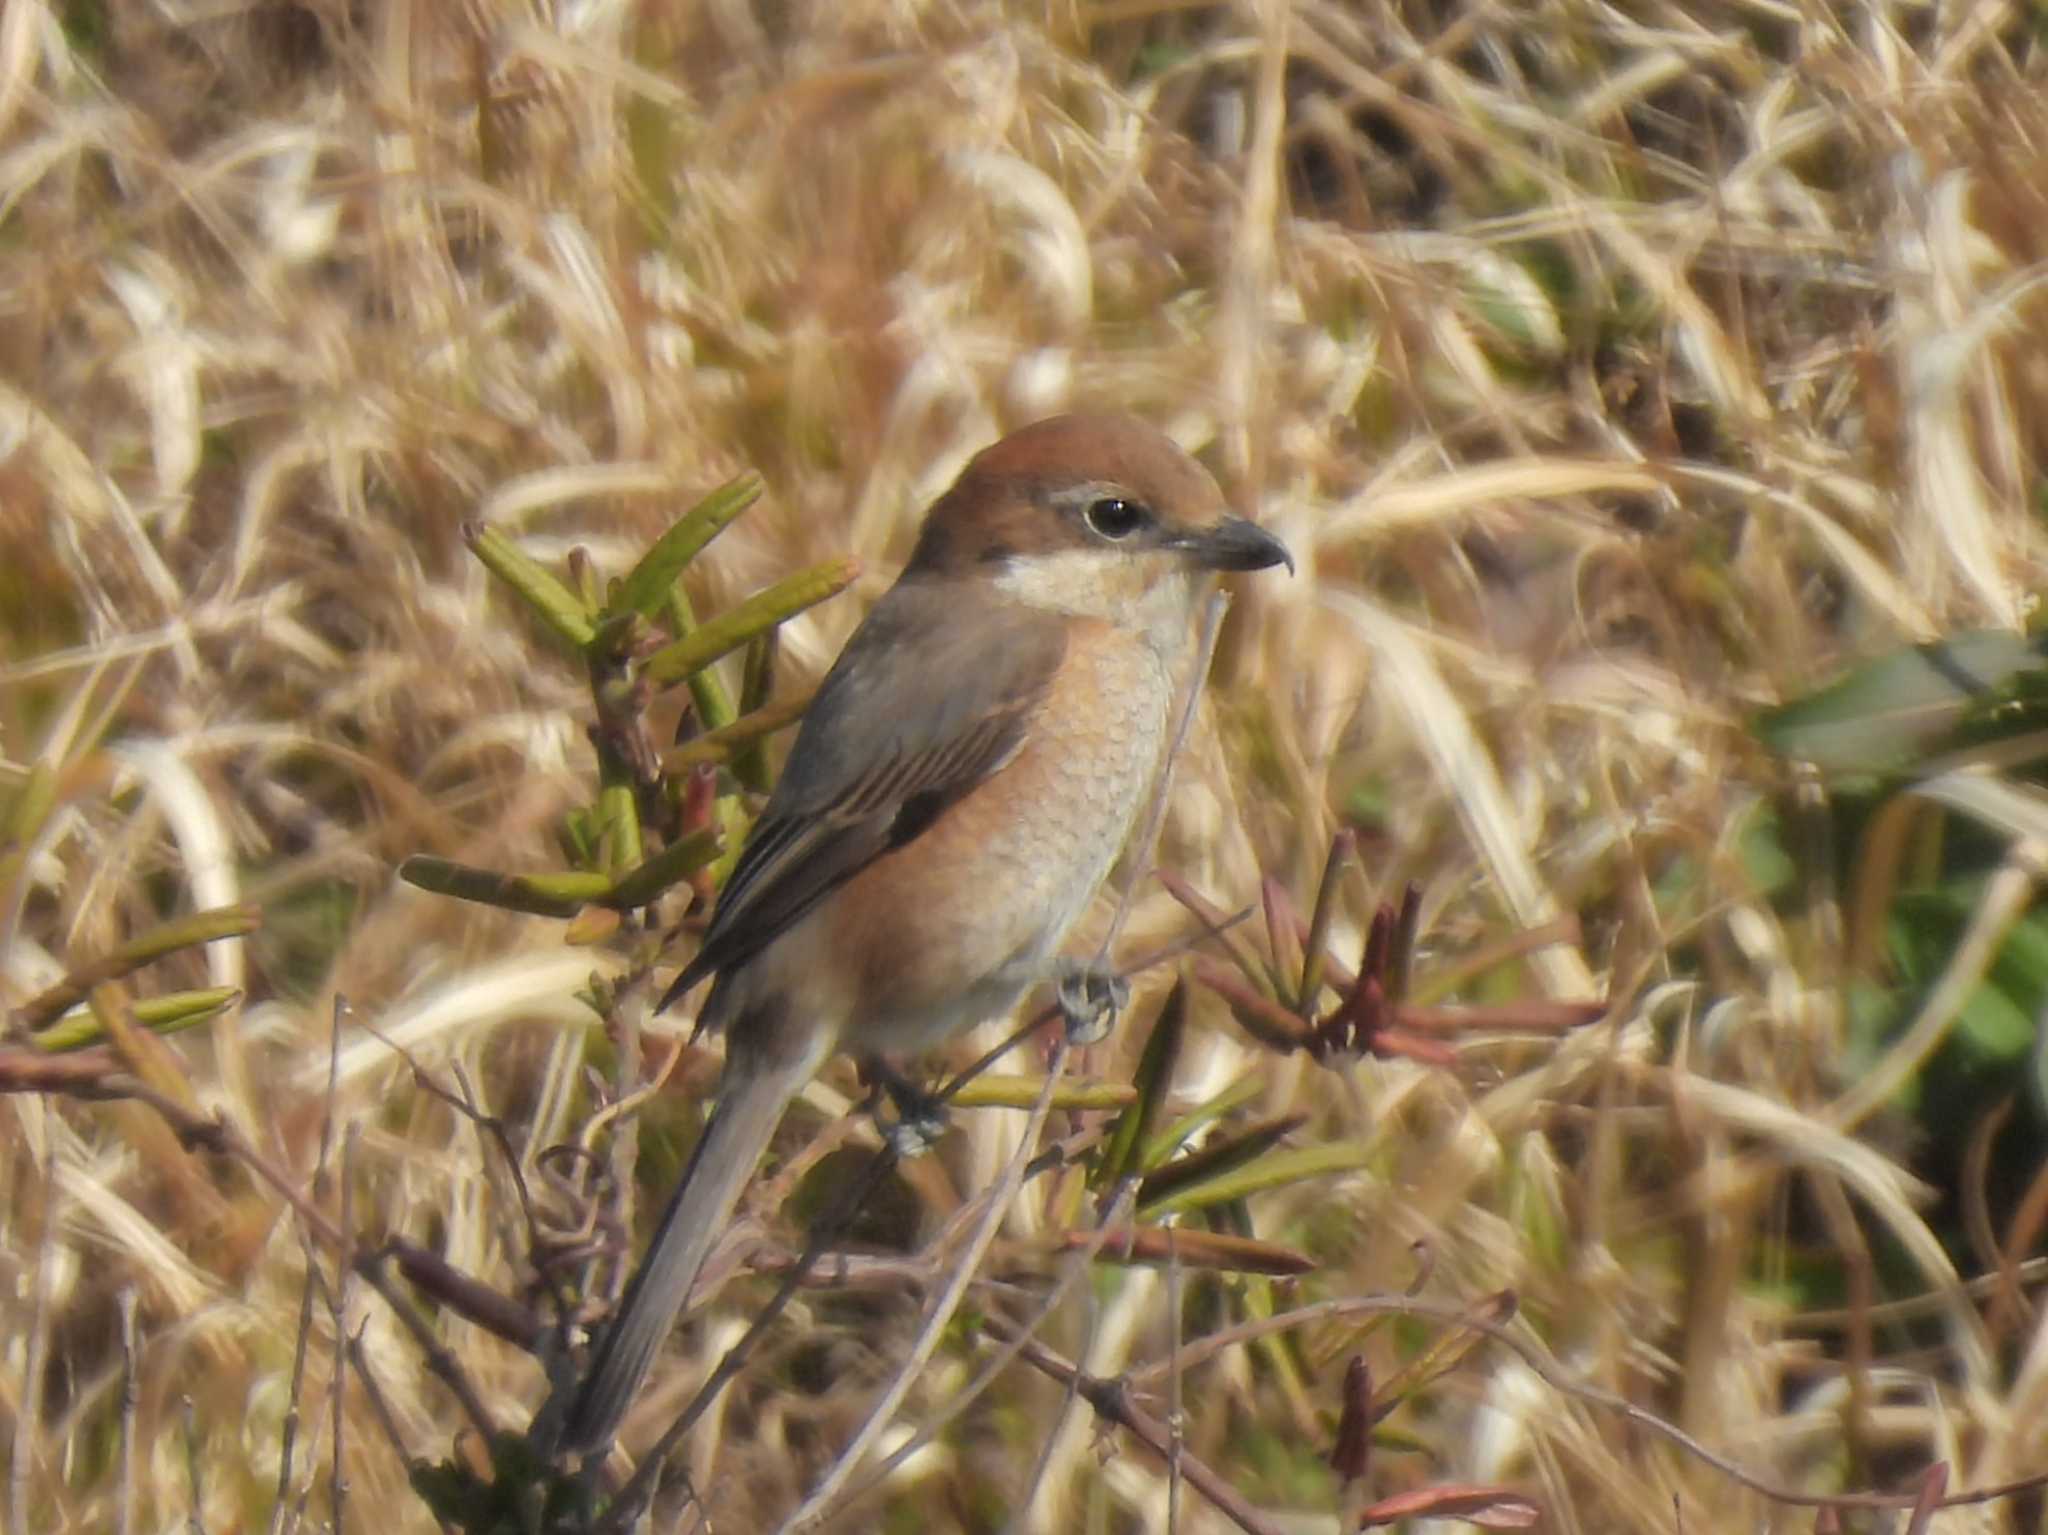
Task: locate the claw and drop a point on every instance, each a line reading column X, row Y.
column 920, row 1120
column 914, row 1137
column 1089, row 999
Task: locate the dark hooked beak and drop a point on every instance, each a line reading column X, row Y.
column 1234, row 544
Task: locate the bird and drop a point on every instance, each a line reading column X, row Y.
column 964, row 779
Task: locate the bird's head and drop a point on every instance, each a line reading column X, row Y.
column 1099, row 516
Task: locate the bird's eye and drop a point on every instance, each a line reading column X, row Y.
column 1114, row 517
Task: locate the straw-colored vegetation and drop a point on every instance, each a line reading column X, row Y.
column 1614, row 372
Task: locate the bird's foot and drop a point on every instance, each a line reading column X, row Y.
column 920, row 1117
column 1089, row 999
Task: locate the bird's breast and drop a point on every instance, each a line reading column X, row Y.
column 949, row 929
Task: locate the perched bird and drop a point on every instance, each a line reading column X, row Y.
column 965, row 778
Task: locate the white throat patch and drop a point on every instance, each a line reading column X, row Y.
column 1090, row 583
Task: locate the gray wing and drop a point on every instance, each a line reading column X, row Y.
column 902, row 728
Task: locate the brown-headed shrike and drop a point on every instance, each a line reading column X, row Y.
column 966, row 777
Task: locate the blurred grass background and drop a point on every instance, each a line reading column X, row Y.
column 1614, row 372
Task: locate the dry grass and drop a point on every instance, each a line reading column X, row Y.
column 1612, row 371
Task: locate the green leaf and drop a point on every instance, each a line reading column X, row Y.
column 1020, row 1090
column 1222, row 1156
column 619, row 814
column 646, row 586
column 2024, row 957
column 1891, row 712
column 1995, row 1025
column 210, row 926
column 1760, row 845
column 1505, row 298
column 1155, row 1076
column 666, row 869
column 1270, row 1172
column 167, row 1014
column 557, row 607
column 540, row 895
column 757, row 685
column 1997, row 1018
column 1193, row 1249
column 1370, row 804
column 1161, row 1146
column 715, row 706
column 749, row 730
column 760, row 612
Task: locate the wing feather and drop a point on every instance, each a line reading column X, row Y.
column 886, row 748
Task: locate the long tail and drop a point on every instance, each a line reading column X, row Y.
column 750, row 1103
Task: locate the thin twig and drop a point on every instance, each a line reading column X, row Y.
column 1175, row 1416
column 289, row 1434
column 1559, row 1379
column 464, row 1104
column 380, row 1408
column 1112, row 1400
column 815, row 1506
column 440, row 1362
column 28, row 1419
column 1072, row 1271
column 215, row 1134
column 195, row 1482
column 1932, row 1303
column 337, row 1485
column 131, row 1401
column 639, row 1489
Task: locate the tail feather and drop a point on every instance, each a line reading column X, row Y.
column 749, row 1106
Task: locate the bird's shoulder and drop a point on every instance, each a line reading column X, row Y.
column 932, row 668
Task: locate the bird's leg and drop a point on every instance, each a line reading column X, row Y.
column 920, row 1117
column 1089, row 998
